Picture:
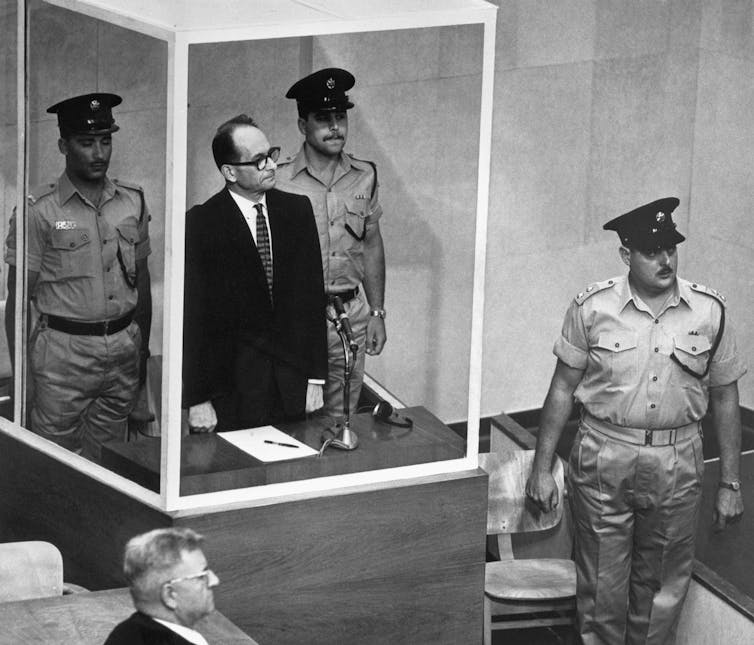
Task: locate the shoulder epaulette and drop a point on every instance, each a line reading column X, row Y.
column 714, row 293
column 285, row 160
column 128, row 184
column 138, row 189
column 40, row 191
column 593, row 288
column 374, row 169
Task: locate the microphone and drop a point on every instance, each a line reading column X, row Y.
column 344, row 321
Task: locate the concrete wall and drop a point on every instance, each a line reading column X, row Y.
column 600, row 105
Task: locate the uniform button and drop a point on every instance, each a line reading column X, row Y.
column 334, row 254
column 657, row 349
column 104, row 241
column 617, row 344
column 332, row 222
column 72, row 244
column 693, row 349
column 653, row 406
column 657, row 320
column 654, row 378
column 110, row 297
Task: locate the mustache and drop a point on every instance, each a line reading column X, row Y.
column 332, row 137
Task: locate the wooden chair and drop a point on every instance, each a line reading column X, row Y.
column 531, row 591
column 32, row 570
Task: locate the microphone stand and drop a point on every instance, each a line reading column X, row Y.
column 342, row 435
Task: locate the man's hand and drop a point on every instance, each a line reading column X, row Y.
column 314, row 397
column 543, row 491
column 729, row 507
column 376, row 335
column 202, row 417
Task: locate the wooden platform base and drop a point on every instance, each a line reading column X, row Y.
column 402, row 564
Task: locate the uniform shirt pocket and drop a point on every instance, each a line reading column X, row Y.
column 692, row 351
column 617, row 351
column 356, row 214
column 70, row 253
column 127, row 239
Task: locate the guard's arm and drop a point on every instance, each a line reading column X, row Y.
column 726, row 417
column 374, row 287
column 10, row 306
column 143, row 313
column 541, row 487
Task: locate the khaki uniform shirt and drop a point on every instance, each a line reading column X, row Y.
column 629, row 378
column 349, row 201
column 74, row 245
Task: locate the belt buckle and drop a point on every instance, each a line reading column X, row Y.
column 105, row 325
column 647, row 437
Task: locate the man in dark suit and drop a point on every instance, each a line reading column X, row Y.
column 171, row 586
column 255, row 349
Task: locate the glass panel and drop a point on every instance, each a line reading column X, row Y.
column 410, row 86
column 8, row 178
column 94, row 230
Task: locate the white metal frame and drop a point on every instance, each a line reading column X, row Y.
column 182, row 23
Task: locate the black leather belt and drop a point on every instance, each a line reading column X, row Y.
column 345, row 296
column 79, row 328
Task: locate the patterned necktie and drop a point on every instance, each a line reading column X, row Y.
column 263, row 246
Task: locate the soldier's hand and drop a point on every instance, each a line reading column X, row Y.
column 376, row 335
column 542, row 490
column 729, row 508
column 202, row 417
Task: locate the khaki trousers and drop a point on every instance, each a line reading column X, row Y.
column 635, row 511
column 358, row 314
column 84, row 387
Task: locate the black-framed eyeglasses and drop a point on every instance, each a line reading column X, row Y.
column 260, row 161
column 194, row 576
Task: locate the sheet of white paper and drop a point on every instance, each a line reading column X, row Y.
column 267, row 443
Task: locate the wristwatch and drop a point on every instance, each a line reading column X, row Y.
column 734, row 485
column 379, row 313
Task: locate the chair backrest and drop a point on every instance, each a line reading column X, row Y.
column 30, row 570
column 508, row 509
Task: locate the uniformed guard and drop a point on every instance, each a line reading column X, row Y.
column 343, row 192
column 644, row 355
column 88, row 242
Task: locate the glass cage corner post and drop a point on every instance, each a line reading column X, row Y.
column 480, row 245
column 175, row 206
column 22, row 189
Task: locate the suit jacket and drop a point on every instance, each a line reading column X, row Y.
column 227, row 301
column 140, row 629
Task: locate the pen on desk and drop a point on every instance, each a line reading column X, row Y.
column 280, row 443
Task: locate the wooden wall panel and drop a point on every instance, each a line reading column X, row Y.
column 44, row 499
column 404, row 564
column 400, row 565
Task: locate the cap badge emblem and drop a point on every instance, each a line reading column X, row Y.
column 94, row 105
column 660, row 217
column 330, row 83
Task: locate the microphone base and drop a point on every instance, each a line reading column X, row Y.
column 344, row 438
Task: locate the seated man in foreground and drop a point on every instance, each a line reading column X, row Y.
column 171, row 587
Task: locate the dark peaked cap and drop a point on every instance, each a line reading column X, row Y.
column 648, row 227
column 323, row 90
column 87, row 114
